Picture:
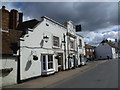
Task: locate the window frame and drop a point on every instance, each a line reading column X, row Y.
column 80, row 43
column 72, row 44
column 46, row 61
column 56, row 41
column 50, row 61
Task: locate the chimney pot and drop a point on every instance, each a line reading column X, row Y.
column 20, row 17
column 3, row 7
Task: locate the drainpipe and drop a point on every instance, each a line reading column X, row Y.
column 68, row 50
column 18, row 66
column 65, row 49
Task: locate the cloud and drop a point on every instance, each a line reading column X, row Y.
column 92, row 15
column 95, row 37
column 98, row 19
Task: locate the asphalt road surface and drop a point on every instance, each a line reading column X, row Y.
column 104, row 75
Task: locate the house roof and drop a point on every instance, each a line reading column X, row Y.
column 27, row 24
column 8, row 39
column 89, row 46
column 112, row 45
column 54, row 21
column 109, row 43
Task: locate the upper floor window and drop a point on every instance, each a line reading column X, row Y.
column 80, row 43
column 87, row 50
column 72, row 44
column 90, row 50
column 55, row 41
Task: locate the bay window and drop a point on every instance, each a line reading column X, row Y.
column 47, row 62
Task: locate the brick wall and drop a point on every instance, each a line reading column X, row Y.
column 5, row 18
column 10, row 20
column 13, row 19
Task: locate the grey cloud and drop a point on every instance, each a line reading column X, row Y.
column 92, row 15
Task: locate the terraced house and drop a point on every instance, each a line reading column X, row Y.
column 42, row 48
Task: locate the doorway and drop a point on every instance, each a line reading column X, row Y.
column 80, row 59
column 60, row 62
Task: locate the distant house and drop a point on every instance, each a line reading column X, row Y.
column 105, row 50
column 90, row 52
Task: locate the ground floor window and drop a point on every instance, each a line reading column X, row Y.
column 44, row 62
column 50, row 61
column 47, row 61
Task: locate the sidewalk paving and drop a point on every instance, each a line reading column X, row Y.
column 44, row 82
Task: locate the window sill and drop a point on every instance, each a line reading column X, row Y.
column 55, row 47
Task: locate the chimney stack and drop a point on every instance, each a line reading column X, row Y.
column 10, row 20
column 4, row 22
column 115, row 40
column 13, row 19
column 109, row 40
column 78, row 28
column 20, row 17
column 3, row 7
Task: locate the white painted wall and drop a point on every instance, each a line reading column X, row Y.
column 33, row 39
column 9, row 78
column 82, row 49
column 114, row 54
column 103, row 51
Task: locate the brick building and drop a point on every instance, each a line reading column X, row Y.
column 90, row 52
column 10, row 20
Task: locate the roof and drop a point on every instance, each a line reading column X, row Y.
column 109, row 43
column 54, row 21
column 9, row 40
column 89, row 46
column 27, row 24
column 79, row 35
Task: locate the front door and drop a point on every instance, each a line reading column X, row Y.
column 60, row 61
column 80, row 58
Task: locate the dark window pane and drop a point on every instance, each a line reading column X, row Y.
column 50, row 61
column 56, row 41
column 44, row 62
column 80, row 43
column 50, row 65
column 72, row 44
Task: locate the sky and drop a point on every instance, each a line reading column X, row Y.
column 99, row 20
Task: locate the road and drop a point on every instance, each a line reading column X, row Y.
column 105, row 75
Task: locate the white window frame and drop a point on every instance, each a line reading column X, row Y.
column 47, row 62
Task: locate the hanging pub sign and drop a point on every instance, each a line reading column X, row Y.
column 35, row 57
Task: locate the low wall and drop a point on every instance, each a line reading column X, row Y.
column 9, row 70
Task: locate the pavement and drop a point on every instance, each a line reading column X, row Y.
column 48, row 81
